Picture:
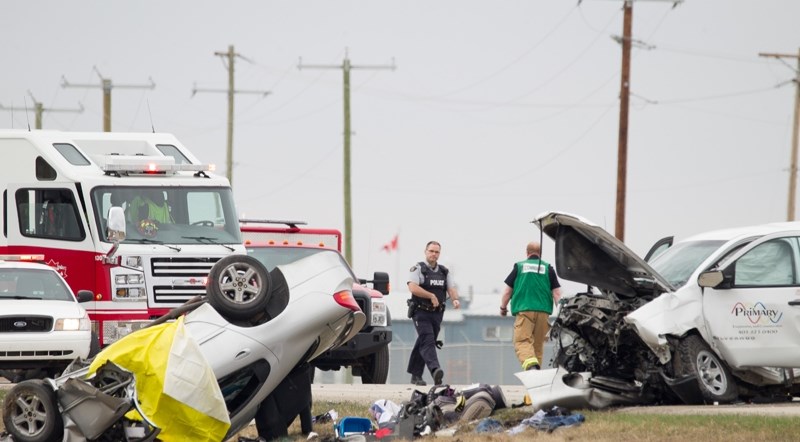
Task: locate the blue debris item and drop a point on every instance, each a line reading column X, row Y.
column 489, row 425
column 548, row 423
column 351, row 425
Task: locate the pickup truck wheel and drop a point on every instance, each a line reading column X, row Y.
column 239, row 288
column 714, row 379
column 376, row 369
column 30, row 412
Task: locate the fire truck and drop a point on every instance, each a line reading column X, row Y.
column 173, row 219
column 367, row 354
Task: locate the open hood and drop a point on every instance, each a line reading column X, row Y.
column 587, row 254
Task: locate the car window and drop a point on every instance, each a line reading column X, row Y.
column 772, row 264
column 33, row 284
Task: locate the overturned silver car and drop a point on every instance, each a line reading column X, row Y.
column 708, row 319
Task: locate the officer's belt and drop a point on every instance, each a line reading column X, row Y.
column 430, row 308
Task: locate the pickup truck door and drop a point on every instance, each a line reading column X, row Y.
column 753, row 316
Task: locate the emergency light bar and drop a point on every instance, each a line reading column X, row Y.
column 149, row 164
column 21, row 257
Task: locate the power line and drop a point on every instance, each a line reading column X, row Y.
column 230, row 56
column 346, row 66
column 793, row 167
column 106, row 85
column 39, row 109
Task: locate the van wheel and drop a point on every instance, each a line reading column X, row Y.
column 376, row 369
column 30, row 412
column 239, row 288
column 714, row 379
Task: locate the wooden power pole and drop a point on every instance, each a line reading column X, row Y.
column 790, row 211
column 107, row 85
column 348, row 218
column 39, row 110
column 229, row 56
column 624, row 99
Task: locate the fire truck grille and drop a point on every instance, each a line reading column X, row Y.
column 26, row 324
column 167, row 294
column 182, row 267
column 182, row 273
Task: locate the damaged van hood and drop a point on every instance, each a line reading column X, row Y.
column 587, row 254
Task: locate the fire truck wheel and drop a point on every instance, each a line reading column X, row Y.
column 239, row 288
column 30, row 412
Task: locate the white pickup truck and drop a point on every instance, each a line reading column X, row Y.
column 712, row 318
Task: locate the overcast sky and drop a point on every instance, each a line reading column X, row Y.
column 497, row 111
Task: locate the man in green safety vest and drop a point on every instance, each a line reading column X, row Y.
column 532, row 288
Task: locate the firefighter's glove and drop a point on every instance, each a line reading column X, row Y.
column 439, row 344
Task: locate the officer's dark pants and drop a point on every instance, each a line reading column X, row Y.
column 423, row 354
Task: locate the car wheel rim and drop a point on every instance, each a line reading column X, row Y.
column 29, row 416
column 240, row 283
column 711, row 374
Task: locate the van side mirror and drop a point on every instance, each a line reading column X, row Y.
column 711, row 278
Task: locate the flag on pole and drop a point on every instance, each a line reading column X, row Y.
column 390, row 246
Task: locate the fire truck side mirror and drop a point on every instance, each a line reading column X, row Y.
column 115, row 229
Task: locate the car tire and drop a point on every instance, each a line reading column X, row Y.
column 714, row 379
column 376, row 369
column 239, row 288
column 30, row 412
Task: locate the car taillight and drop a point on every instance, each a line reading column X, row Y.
column 345, row 299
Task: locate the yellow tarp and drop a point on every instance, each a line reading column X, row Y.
column 176, row 387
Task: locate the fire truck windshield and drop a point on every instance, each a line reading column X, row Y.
column 170, row 215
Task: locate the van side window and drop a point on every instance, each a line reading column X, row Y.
column 49, row 213
column 44, row 171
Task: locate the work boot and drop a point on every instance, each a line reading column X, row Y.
column 438, row 374
column 417, row 380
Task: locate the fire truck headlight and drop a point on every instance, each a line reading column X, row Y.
column 133, row 261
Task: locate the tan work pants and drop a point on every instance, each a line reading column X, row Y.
column 530, row 330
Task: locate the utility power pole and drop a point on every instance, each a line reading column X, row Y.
column 348, row 217
column 793, row 167
column 107, row 85
column 230, row 55
column 39, row 109
column 624, row 99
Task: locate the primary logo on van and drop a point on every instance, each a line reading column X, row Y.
column 757, row 313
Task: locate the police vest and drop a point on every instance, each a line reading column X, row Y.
column 434, row 282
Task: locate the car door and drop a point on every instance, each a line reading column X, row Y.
column 754, row 315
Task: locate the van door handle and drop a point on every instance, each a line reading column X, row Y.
column 795, row 302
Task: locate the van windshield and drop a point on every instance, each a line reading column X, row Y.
column 170, row 215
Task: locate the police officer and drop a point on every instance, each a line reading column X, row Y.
column 430, row 284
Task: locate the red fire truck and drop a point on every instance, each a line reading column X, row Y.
column 177, row 219
column 280, row 242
